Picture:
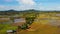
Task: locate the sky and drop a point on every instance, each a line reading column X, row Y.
column 30, row 4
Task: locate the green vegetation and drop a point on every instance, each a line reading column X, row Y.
column 29, row 20
column 5, row 27
column 24, row 26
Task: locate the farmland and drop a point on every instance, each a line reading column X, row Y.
column 43, row 22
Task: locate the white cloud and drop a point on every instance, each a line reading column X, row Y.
column 47, row 7
column 30, row 4
column 26, row 2
column 22, row 7
column 2, row 7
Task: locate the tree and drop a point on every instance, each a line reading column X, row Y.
column 24, row 26
column 29, row 20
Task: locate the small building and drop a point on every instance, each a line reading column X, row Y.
column 10, row 31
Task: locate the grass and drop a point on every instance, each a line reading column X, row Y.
column 5, row 27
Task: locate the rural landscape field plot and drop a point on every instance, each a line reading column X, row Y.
column 45, row 23
column 29, row 16
column 31, row 22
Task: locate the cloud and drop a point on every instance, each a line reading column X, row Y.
column 2, row 7
column 26, row 2
column 22, row 7
column 49, row 8
column 31, row 4
column 43, row 7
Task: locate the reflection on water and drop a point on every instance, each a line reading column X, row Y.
column 19, row 20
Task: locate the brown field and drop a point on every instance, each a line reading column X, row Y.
column 44, row 26
column 41, row 29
